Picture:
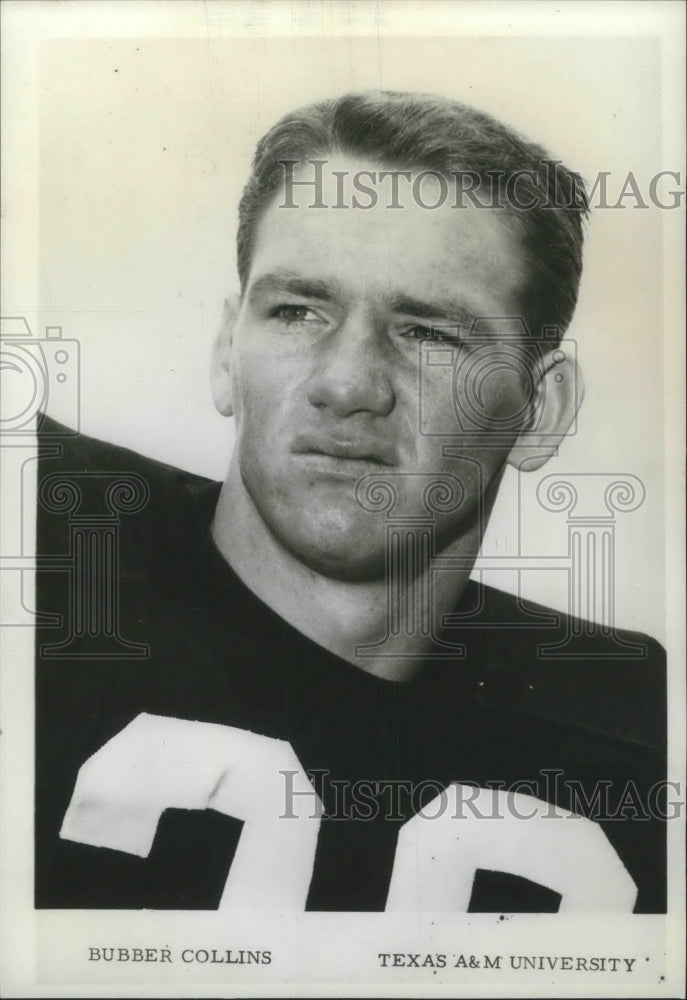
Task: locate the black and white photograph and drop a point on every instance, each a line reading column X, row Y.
column 342, row 533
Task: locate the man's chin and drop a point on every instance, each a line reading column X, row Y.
column 329, row 535
column 350, row 561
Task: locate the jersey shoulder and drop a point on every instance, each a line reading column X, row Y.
column 82, row 476
column 554, row 666
column 82, row 453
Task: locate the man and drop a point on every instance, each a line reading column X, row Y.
column 299, row 699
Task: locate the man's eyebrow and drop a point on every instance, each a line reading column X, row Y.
column 326, row 290
column 444, row 310
column 293, row 284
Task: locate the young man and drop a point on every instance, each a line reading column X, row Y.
column 285, row 691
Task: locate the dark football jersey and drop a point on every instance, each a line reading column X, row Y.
column 194, row 751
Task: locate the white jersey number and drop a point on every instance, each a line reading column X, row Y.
column 158, row 763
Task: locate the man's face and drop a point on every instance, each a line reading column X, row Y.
column 327, row 377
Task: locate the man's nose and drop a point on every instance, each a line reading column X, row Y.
column 352, row 372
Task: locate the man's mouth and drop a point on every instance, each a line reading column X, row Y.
column 346, row 449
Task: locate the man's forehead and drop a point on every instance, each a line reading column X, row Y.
column 329, row 228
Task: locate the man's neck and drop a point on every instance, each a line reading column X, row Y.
column 341, row 616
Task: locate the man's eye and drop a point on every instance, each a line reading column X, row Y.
column 419, row 332
column 293, row 314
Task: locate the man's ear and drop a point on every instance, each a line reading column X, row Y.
column 221, row 359
column 558, row 393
